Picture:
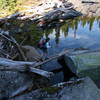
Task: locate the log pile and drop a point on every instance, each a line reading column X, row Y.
column 17, row 73
column 21, row 71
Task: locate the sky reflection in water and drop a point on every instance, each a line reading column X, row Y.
column 78, row 33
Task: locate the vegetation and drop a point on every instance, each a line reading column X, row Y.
column 8, row 7
column 51, row 90
column 7, row 4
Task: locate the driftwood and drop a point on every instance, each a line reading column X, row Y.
column 20, row 66
column 5, row 19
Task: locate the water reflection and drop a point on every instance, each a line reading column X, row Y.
column 80, row 32
column 76, row 33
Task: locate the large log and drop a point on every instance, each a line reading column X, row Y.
column 84, row 64
column 20, row 66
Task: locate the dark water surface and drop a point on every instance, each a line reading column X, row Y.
column 80, row 33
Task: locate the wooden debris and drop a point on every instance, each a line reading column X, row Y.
column 20, row 66
column 12, row 40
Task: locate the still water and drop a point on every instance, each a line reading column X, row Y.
column 79, row 33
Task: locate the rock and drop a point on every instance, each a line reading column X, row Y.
column 60, row 13
column 84, row 64
column 82, row 89
column 31, row 53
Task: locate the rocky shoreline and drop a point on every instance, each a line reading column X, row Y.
column 90, row 9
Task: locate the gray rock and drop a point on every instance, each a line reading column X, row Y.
column 85, row 89
column 85, row 64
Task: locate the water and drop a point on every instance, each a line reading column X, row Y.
column 77, row 34
column 80, row 33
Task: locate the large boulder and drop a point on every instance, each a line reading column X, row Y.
column 82, row 89
column 84, row 64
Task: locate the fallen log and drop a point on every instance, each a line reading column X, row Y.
column 60, row 13
column 20, row 66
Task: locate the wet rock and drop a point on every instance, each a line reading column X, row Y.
column 10, row 81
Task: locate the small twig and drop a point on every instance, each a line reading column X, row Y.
column 2, row 52
column 53, row 57
column 23, row 41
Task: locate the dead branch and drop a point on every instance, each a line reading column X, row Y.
column 12, row 40
column 20, row 66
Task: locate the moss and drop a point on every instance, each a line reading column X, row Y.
column 51, row 90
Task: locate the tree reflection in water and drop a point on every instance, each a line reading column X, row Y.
column 34, row 34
